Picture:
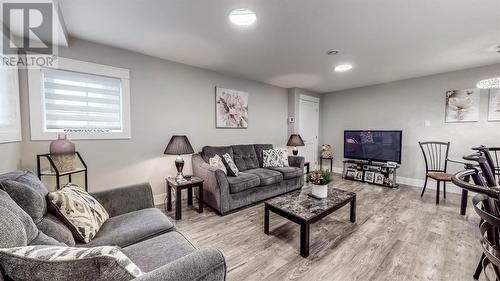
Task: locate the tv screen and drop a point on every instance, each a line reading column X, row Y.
column 379, row 146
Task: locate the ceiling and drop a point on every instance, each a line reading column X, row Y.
column 385, row 40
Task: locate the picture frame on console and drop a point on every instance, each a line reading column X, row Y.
column 358, row 175
column 369, row 176
column 379, row 178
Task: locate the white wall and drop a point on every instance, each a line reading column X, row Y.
column 405, row 105
column 166, row 98
column 10, row 156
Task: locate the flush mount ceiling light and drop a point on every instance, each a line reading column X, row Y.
column 242, row 17
column 342, row 67
column 489, row 83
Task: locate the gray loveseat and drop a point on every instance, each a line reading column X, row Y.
column 253, row 184
column 143, row 232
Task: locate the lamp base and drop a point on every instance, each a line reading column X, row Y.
column 295, row 151
column 179, row 164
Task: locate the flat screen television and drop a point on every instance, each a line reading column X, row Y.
column 378, row 146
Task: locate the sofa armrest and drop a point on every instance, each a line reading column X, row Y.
column 201, row 265
column 122, row 200
column 296, row 161
column 215, row 183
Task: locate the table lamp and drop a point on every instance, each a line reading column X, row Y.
column 295, row 140
column 179, row 145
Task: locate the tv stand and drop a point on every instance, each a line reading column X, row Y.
column 371, row 172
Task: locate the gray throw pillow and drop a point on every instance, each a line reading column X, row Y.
column 30, row 199
column 81, row 212
column 231, row 168
column 64, row 263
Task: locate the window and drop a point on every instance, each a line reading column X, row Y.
column 10, row 120
column 83, row 100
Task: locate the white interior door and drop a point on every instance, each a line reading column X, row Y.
column 308, row 129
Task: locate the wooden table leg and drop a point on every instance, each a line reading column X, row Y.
column 331, row 165
column 178, row 214
column 200, row 198
column 169, row 198
column 353, row 210
column 190, row 196
column 304, row 239
column 266, row 219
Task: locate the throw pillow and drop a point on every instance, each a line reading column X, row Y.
column 216, row 162
column 83, row 214
column 272, row 158
column 284, row 156
column 232, row 170
column 65, row 263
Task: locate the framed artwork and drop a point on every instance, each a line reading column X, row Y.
column 231, row 108
column 350, row 174
column 494, row 105
column 379, row 178
column 462, row 105
column 369, row 176
column 358, row 176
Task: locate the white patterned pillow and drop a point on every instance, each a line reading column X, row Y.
column 284, row 156
column 232, row 170
column 66, row 263
column 217, row 162
column 272, row 158
column 83, row 214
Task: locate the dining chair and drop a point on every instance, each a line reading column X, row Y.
column 436, row 162
column 486, row 204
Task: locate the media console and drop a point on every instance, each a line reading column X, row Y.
column 370, row 172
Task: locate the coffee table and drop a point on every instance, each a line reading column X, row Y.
column 299, row 208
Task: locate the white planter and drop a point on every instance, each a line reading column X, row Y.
column 320, row 191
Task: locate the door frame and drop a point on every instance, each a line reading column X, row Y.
column 307, row 98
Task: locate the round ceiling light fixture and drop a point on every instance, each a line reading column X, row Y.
column 342, row 67
column 490, row 83
column 242, row 17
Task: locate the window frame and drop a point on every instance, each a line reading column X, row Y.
column 14, row 135
column 37, row 102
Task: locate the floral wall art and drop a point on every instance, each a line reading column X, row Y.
column 462, row 105
column 494, row 105
column 231, row 108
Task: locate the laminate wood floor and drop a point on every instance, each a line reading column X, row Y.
column 397, row 236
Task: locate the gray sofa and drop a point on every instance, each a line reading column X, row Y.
column 143, row 232
column 253, row 184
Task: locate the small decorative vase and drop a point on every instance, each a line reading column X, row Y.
column 62, row 152
column 320, row 191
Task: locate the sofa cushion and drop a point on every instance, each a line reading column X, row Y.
column 259, row 148
column 245, row 157
column 243, row 182
column 289, row 172
column 81, row 212
column 27, row 191
column 65, row 263
column 266, row 176
column 208, row 152
column 130, row 228
column 16, row 227
column 153, row 253
column 55, row 228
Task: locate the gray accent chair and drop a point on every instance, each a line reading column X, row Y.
column 144, row 233
column 253, row 184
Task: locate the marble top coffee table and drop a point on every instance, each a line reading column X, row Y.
column 298, row 207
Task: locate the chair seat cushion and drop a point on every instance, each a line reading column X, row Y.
column 130, row 228
column 289, row 172
column 439, row 176
column 243, row 181
column 266, row 176
column 155, row 252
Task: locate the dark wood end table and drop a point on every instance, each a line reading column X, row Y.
column 178, row 187
column 299, row 208
column 307, row 165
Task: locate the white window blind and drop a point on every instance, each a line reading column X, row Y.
column 77, row 102
column 10, row 120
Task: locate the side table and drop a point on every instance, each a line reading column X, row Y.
column 307, row 165
column 178, row 187
column 326, row 158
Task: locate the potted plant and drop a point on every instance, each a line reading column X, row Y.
column 319, row 180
